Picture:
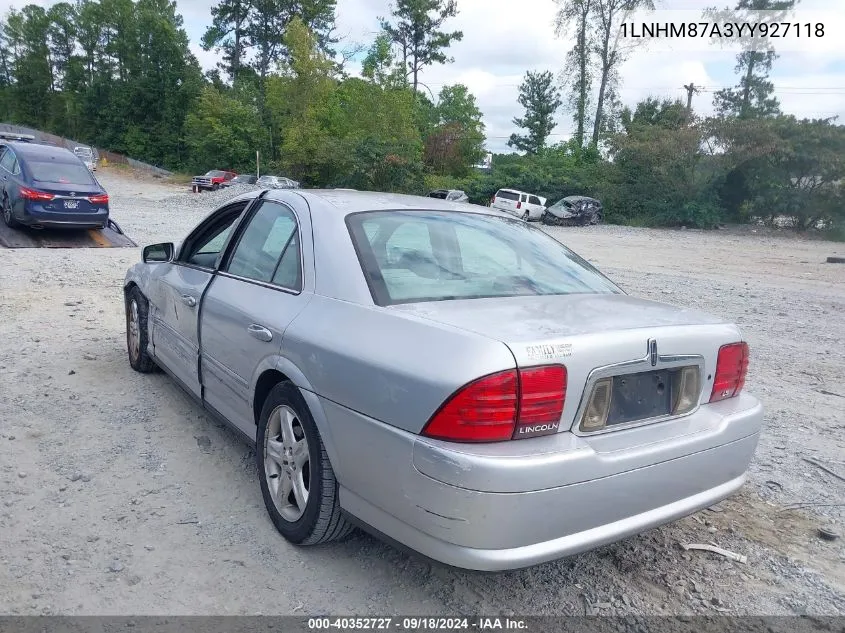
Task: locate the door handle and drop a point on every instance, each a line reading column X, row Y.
column 260, row 332
column 189, row 301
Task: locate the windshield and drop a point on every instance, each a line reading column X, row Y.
column 561, row 204
column 64, row 173
column 411, row 256
column 215, row 173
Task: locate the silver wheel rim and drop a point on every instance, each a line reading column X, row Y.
column 7, row 211
column 287, row 464
column 134, row 330
column 525, row 216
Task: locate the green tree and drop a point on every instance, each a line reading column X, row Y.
column 754, row 96
column 457, row 143
column 666, row 113
column 573, row 17
column 223, row 131
column 609, row 50
column 541, row 100
column 378, row 66
column 417, row 34
column 227, row 33
column 27, row 33
column 786, row 167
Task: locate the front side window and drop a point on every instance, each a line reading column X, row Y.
column 204, row 247
column 268, row 249
column 415, row 256
column 535, row 200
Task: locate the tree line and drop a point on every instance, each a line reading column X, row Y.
column 119, row 74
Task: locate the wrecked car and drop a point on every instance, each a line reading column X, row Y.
column 443, row 375
column 574, row 210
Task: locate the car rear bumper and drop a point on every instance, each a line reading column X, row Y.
column 64, row 219
column 607, row 496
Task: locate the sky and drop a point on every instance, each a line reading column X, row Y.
column 505, row 38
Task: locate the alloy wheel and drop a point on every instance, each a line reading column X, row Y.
column 287, row 463
column 134, row 330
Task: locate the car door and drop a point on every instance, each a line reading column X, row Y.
column 253, row 298
column 176, row 293
column 535, row 207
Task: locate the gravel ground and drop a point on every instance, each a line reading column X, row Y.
column 118, row 496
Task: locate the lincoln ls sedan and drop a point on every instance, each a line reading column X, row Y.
column 442, row 375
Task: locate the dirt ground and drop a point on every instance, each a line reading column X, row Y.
column 118, row 496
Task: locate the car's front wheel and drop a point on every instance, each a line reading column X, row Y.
column 297, row 481
column 137, row 333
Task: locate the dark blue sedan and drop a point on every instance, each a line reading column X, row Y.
column 44, row 186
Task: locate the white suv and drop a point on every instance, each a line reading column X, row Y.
column 523, row 205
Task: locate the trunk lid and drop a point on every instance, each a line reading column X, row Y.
column 70, row 197
column 588, row 332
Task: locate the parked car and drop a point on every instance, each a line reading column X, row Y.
column 241, row 179
column 454, row 380
column 523, row 205
column 452, row 195
column 277, row 182
column 212, row 180
column 46, row 186
column 86, row 155
column 578, row 210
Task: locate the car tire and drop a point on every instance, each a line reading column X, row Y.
column 319, row 519
column 137, row 310
column 597, row 218
column 526, row 217
column 8, row 218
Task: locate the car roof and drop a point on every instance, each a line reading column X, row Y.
column 348, row 201
column 34, row 151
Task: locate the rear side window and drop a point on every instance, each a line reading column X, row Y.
column 269, row 243
column 62, row 173
column 8, row 161
column 416, row 256
column 535, row 200
column 507, row 195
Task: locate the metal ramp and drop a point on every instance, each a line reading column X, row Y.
column 109, row 237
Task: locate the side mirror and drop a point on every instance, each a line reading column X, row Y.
column 159, row 253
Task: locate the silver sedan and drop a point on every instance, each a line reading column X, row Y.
column 443, row 375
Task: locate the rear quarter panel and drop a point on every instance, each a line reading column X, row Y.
column 395, row 368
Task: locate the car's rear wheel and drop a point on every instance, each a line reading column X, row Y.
column 8, row 218
column 525, row 217
column 297, row 481
column 136, row 332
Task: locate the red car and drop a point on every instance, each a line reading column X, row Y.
column 212, row 180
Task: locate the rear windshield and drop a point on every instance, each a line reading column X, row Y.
column 64, row 173
column 507, row 195
column 414, row 256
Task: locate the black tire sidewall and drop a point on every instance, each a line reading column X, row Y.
column 143, row 361
column 286, row 393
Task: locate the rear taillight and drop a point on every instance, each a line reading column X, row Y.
column 31, row 194
column 100, row 199
column 518, row 205
column 503, row 406
column 731, row 367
